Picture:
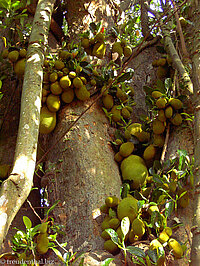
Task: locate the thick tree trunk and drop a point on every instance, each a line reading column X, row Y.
column 195, row 254
column 87, row 175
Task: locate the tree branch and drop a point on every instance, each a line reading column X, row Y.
column 17, row 187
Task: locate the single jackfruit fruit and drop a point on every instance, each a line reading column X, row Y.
column 42, row 243
column 55, row 88
column 156, row 94
column 127, row 51
column 77, row 82
column 99, row 50
column 149, row 152
column 19, row 67
column 112, row 201
column 175, row 103
column 177, row 119
column 169, row 112
column 13, row 56
column 176, row 247
column 68, row 96
column 116, row 113
column 161, row 103
column 117, row 48
column 138, row 227
column 158, row 127
column 82, row 93
column 163, row 237
column 126, row 149
column 161, row 115
column 114, row 223
column 47, row 121
column 105, row 235
column 53, row 77
column 65, row 82
column 59, row 64
column 111, row 247
column 53, row 102
column 108, row 101
column 22, row 53
column 127, row 208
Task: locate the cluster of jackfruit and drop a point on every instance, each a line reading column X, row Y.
column 122, row 48
column 163, row 65
column 17, row 56
column 117, row 101
column 115, row 210
column 95, row 46
column 64, row 80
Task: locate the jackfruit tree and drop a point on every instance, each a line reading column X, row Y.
column 109, row 97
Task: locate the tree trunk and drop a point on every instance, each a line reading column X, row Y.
column 195, row 254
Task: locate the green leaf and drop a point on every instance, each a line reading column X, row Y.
column 58, row 254
column 5, row 3
column 113, row 235
column 125, row 188
column 125, row 225
column 27, row 222
column 136, row 251
column 112, row 213
column 1, row 95
column 169, row 207
column 107, row 262
column 0, row 84
column 168, row 83
column 52, row 207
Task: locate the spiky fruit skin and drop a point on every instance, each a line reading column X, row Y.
column 108, row 101
column 59, row 64
column 161, row 103
column 53, row 77
column 99, row 50
column 55, row 88
column 118, row 158
column 111, row 247
column 125, row 113
column 163, row 237
column 82, row 93
column 112, row 201
column 176, row 247
column 158, row 127
column 13, row 56
column 176, row 119
column 105, row 235
column 121, row 95
column 19, row 67
column 161, row 115
column 5, row 53
column 116, row 113
column 126, row 149
column 149, row 152
column 127, row 51
column 168, row 231
column 158, row 140
column 117, row 48
column 169, row 112
column 156, row 94
column 105, row 224
column 68, row 96
column 127, row 207
column 85, row 43
column 184, row 200
column 65, row 82
column 77, row 82
column 114, row 223
column 138, row 227
column 175, row 103
column 42, row 243
column 132, row 159
column 134, row 171
column 43, row 228
column 47, row 121
column 53, row 103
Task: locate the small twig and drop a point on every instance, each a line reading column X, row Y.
column 33, row 210
column 165, row 145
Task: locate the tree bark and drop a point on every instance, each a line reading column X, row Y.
column 195, row 254
column 87, row 175
column 15, row 190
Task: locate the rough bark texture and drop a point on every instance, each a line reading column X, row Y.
column 195, row 254
column 87, row 175
column 17, row 187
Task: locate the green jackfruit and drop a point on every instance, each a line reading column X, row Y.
column 176, row 119
column 99, row 37
column 134, row 129
column 169, row 112
column 149, row 152
column 53, row 102
column 55, row 88
column 43, row 228
column 111, row 247
column 126, row 149
column 118, row 158
column 13, row 56
column 85, row 43
column 121, row 95
column 105, row 235
column 112, row 201
column 127, row 51
column 59, row 64
column 168, row 230
column 53, row 77
column 161, row 103
column 158, row 127
column 152, row 209
column 42, row 243
column 105, row 224
column 47, row 121
column 19, row 67
column 127, row 208
column 132, row 159
column 120, row 234
column 158, row 140
column 176, row 247
column 68, row 96
column 125, row 113
column 5, row 53
column 104, row 208
column 135, row 172
column 65, row 82
column 99, row 50
column 22, row 53
column 77, row 82
column 138, row 227
column 161, row 115
column 156, row 94
column 163, row 237
column 175, row 103
column 108, row 101
column 116, row 113
column 82, row 93
column 117, row 48
column 114, row 223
